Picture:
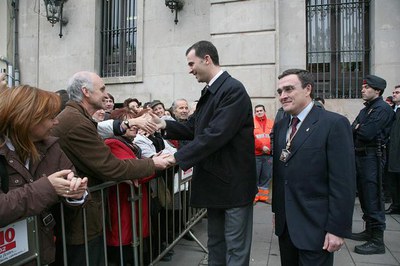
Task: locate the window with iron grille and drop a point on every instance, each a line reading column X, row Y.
column 338, row 46
column 119, row 36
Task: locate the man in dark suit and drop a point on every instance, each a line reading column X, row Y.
column 394, row 155
column 314, row 175
column 222, row 154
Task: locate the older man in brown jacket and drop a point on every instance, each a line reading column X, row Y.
column 92, row 158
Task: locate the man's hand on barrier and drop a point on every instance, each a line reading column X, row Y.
column 158, row 121
column 161, row 161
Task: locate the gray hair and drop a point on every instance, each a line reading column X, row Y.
column 76, row 83
column 174, row 104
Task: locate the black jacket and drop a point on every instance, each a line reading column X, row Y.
column 394, row 146
column 222, row 150
column 374, row 121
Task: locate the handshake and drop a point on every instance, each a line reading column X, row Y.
column 148, row 122
column 163, row 161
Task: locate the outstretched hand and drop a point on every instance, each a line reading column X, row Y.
column 144, row 122
column 158, row 121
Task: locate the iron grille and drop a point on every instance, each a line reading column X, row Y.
column 119, row 38
column 338, row 50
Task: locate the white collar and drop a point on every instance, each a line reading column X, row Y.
column 9, row 144
column 215, row 78
column 303, row 114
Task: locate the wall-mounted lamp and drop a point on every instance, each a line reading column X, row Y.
column 54, row 13
column 174, row 5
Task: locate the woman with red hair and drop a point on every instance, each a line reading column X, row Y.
column 36, row 173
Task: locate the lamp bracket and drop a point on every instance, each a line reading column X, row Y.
column 175, row 6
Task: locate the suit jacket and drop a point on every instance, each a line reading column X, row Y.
column 314, row 190
column 222, row 150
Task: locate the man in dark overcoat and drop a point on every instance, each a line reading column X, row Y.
column 394, row 156
column 222, row 154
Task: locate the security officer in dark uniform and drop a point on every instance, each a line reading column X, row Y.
column 371, row 131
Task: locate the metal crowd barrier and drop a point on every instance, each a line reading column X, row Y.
column 170, row 219
column 179, row 218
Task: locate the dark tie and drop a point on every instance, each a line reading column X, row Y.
column 295, row 121
column 397, row 113
column 204, row 90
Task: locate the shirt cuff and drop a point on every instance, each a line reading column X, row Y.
column 77, row 201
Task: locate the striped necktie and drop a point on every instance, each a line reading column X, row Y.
column 295, row 121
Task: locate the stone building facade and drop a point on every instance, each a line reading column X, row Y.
column 256, row 39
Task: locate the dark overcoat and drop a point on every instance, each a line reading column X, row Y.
column 394, row 145
column 314, row 190
column 222, row 150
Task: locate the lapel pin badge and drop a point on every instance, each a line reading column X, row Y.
column 307, row 129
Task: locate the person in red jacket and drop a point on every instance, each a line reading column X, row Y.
column 262, row 130
column 123, row 148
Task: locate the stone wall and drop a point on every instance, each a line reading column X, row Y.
column 256, row 39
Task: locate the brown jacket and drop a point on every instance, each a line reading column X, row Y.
column 92, row 158
column 30, row 194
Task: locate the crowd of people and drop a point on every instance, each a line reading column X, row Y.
column 308, row 162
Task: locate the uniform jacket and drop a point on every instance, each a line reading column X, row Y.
column 262, row 131
column 92, row 158
column 394, row 145
column 314, row 190
column 30, row 193
column 222, row 150
column 374, row 120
